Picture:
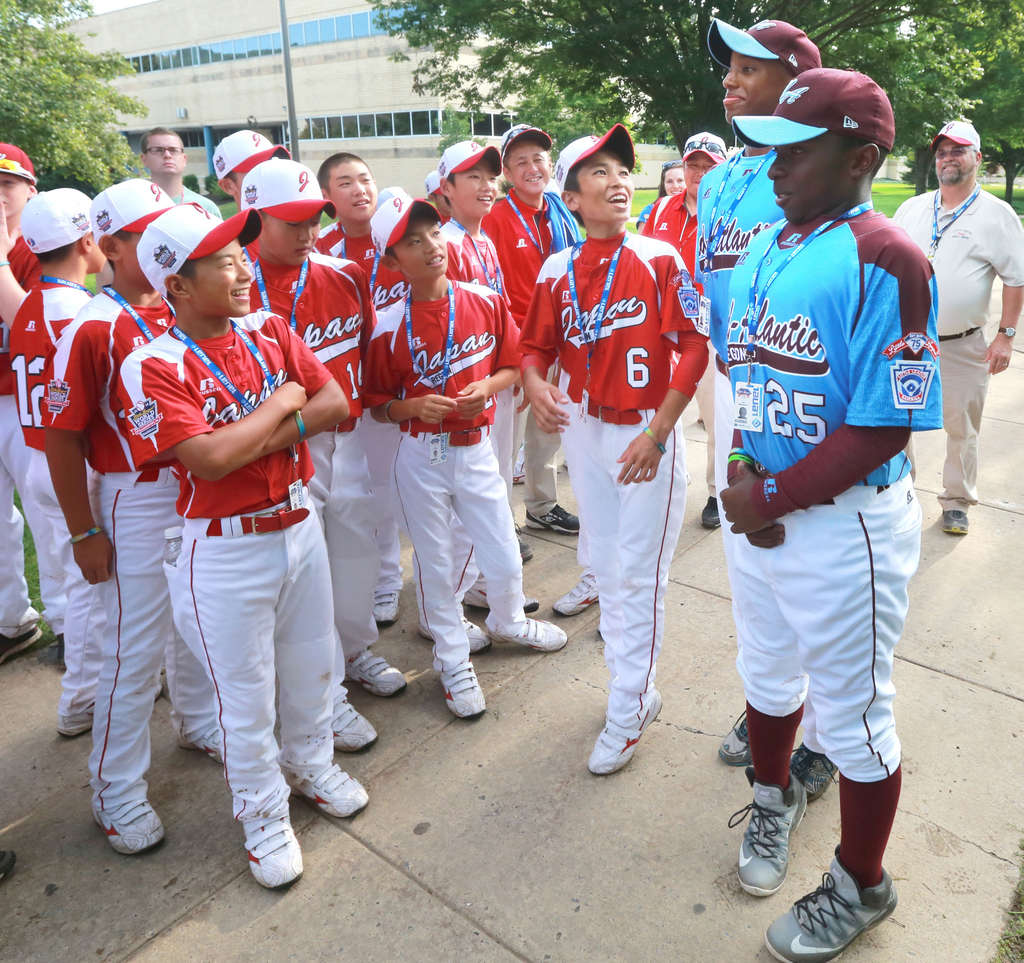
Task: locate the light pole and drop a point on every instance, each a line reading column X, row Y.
column 286, row 48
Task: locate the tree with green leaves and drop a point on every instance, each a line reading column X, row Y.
column 56, row 98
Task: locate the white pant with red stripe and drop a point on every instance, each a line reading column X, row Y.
column 822, row 615
column 340, row 490
column 256, row 609
column 380, row 442
column 469, row 485
column 140, row 633
column 632, row 532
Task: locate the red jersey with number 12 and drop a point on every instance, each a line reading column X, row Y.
column 25, row 268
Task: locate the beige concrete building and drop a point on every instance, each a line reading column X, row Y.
column 207, row 70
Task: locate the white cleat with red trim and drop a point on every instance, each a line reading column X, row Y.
column 333, row 792
column 131, row 828
column 275, row 859
column 462, row 692
column 534, row 634
column 616, row 744
column 208, row 743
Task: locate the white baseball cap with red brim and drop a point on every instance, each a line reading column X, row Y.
column 706, row 143
column 391, row 219
column 462, row 156
column 242, row 151
column 55, row 218
column 187, row 232
column 284, row 189
column 128, row 206
column 959, row 132
column 432, row 182
column 617, row 140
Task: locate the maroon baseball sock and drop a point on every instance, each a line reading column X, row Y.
column 771, row 744
column 866, row 811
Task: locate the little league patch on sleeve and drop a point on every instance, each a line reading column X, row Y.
column 57, row 392
column 913, row 341
column 911, row 382
column 145, row 418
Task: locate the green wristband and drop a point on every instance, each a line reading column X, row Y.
column 301, row 425
column 650, row 434
column 741, row 456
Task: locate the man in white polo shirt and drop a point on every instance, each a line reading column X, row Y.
column 970, row 237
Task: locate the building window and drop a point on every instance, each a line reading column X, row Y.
column 361, row 25
column 334, row 128
column 350, row 127
column 402, row 126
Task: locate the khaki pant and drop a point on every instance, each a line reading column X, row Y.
column 705, row 398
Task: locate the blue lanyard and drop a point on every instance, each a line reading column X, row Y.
column 446, row 365
column 526, row 227
column 300, row 286
column 63, row 282
column 132, row 313
column 936, row 233
column 598, row 320
column 495, row 284
column 214, row 369
column 758, row 294
column 373, row 272
column 720, row 229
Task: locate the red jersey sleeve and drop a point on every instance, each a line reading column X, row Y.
column 81, row 369
column 301, row 363
column 540, row 335
column 381, row 380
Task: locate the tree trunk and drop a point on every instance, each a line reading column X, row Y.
column 922, row 164
column 1010, row 172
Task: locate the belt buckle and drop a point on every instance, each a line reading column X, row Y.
column 258, row 521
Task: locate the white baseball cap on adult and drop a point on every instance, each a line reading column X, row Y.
column 466, row 154
column 617, row 139
column 285, row 189
column 128, row 206
column 55, row 218
column 243, row 150
column 706, row 143
column 390, row 220
column 187, row 232
column 959, row 132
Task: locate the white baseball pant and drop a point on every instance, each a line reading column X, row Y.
column 256, row 610
column 503, row 433
column 469, row 485
column 705, row 398
column 822, row 615
column 140, row 632
column 380, row 442
column 540, row 462
column 632, row 532
column 15, row 608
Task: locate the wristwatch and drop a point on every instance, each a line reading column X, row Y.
column 1009, row 332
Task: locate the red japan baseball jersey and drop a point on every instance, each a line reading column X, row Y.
column 387, row 286
column 334, row 315
column 89, row 354
column 473, row 260
column 630, row 365
column 485, row 339
column 670, row 221
column 522, row 246
column 170, row 395
column 46, row 311
column 26, row 270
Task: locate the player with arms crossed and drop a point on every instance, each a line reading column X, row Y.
column 232, row 396
column 831, row 371
column 613, row 311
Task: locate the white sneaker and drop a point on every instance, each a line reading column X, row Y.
column 580, row 597
column 374, row 674
column 385, row 608
column 210, row 743
column 75, row 723
column 519, row 469
column 616, row 745
column 131, row 828
column 478, row 640
column 476, row 598
column 275, row 859
column 352, row 730
column 334, row 792
column 533, row 633
column 462, row 692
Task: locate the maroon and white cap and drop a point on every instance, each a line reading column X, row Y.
column 13, row 160
column 466, row 154
column 706, row 143
column 128, row 206
column 432, row 182
column 524, row 130
column 820, row 101
column 391, row 219
column 243, row 150
column 617, row 140
column 765, row 40
column 285, row 189
column 959, row 132
column 55, row 218
column 187, row 232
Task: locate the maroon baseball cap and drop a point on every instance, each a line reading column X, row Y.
column 818, row 101
column 766, row 40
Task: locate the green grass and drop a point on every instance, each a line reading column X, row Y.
column 1011, row 944
column 32, row 577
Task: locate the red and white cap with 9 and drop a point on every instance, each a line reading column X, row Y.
column 128, row 206
column 617, row 140
column 466, row 154
column 55, row 218
column 390, row 220
column 285, row 189
column 243, row 150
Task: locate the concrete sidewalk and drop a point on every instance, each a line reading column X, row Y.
column 490, row 840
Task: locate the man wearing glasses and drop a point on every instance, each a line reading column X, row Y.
column 970, row 237
column 163, row 155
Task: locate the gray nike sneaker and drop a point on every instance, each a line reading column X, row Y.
column 764, row 852
column 820, row 925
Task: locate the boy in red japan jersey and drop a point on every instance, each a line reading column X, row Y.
column 327, row 302
column 613, row 311
column 117, row 515
column 56, row 228
column 19, row 269
column 231, row 396
column 239, row 153
column 433, row 366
